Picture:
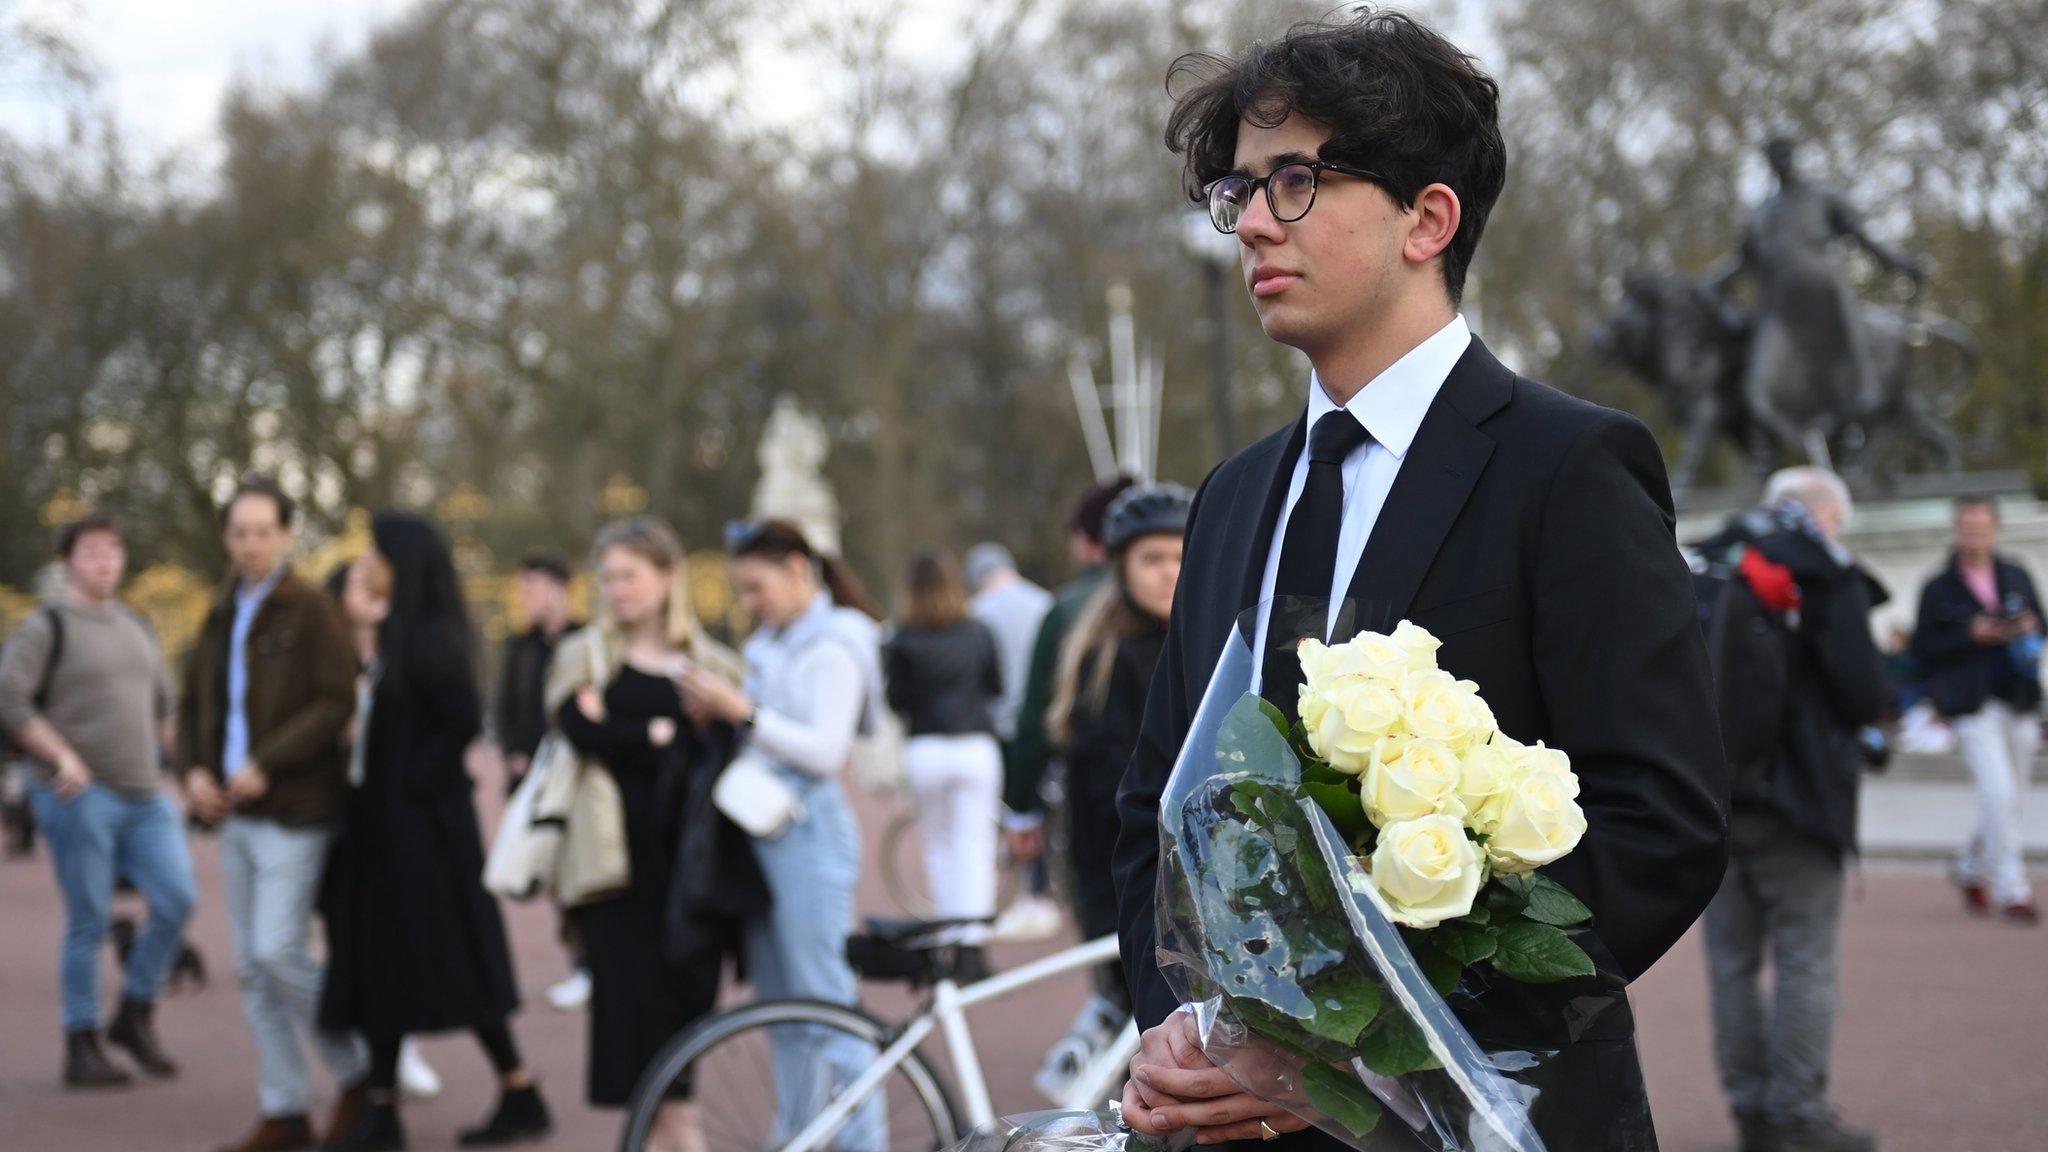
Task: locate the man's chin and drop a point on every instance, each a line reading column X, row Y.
column 1284, row 325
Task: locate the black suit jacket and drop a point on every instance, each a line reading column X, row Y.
column 1533, row 533
column 1962, row 674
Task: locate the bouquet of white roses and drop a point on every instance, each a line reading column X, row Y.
column 1326, row 885
column 1442, row 805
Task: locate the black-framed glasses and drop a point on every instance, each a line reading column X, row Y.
column 1290, row 191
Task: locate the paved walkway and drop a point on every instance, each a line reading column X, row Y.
column 1942, row 1043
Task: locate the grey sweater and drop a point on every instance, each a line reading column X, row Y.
column 108, row 697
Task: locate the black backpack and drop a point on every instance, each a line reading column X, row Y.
column 1749, row 648
column 9, row 747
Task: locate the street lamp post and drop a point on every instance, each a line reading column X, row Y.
column 1206, row 245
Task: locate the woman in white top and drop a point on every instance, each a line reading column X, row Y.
column 813, row 676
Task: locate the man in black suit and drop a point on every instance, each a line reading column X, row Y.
column 1529, row 530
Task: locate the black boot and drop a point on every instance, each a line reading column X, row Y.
column 376, row 1130
column 521, row 1115
column 134, row 1028
column 85, row 1065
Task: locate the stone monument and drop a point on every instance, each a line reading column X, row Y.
column 792, row 485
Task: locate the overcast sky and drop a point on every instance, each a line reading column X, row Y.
column 163, row 64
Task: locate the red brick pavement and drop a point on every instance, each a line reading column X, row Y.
column 1941, row 1044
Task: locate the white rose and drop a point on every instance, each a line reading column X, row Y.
column 1419, row 643
column 1527, row 758
column 1483, row 783
column 1428, row 870
column 1422, row 782
column 1366, row 656
column 1539, row 820
column 1439, row 706
column 1345, row 722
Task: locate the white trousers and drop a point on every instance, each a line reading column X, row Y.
column 957, row 782
column 1998, row 743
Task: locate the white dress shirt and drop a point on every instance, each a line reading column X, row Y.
column 1391, row 408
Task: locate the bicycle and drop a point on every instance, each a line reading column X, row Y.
column 725, row 1057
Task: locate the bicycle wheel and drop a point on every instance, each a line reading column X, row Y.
column 903, row 873
column 725, row 1064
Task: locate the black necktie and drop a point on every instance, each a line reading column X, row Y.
column 1308, row 558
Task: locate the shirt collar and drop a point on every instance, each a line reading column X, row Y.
column 1392, row 406
column 247, row 594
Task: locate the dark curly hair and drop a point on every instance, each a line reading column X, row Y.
column 1397, row 97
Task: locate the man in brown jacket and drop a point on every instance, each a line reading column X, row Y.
column 269, row 686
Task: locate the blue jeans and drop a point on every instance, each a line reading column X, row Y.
column 271, row 876
column 799, row 950
column 96, row 838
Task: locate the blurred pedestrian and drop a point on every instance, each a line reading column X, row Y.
column 269, row 687
column 945, row 678
column 85, row 692
column 1029, row 756
column 521, row 714
column 613, row 689
column 1105, row 672
column 1978, row 642
column 813, row 683
column 364, row 616
column 416, row 945
column 1794, row 818
column 1012, row 608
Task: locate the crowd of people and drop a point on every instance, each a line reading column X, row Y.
column 321, row 735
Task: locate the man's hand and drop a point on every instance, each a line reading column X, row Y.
column 72, row 777
column 590, row 702
column 204, row 796
column 1990, row 630
column 249, row 784
column 1175, row 1085
column 2026, row 624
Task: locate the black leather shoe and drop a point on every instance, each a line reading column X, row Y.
column 134, row 1029
column 376, row 1130
column 86, row 1064
column 521, row 1115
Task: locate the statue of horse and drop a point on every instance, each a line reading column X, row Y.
column 1690, row 345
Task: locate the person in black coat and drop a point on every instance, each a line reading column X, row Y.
column 656, row 949
column 1794, row 819
column 1355, row 161
column 1098, row 705
column 416, row 944
column 1978, row 641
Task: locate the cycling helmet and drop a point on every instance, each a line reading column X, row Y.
column 1146, row 510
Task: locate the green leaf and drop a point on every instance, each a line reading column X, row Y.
column 1337, row 1094
column 1345, row 1005
column 1394, row 1046
column 1468, row 944
column 1438, row 966
column 1552, row 903
column 1504, row 897
column 1272, row 1024
column 1342, row 805
column 1271, row 711
column 1318, row 772
column 1250, row 741
column 1539, row 954
column 1478, row 915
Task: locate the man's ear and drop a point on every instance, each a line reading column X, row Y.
column 1432, row 223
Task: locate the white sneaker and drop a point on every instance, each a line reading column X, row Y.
column 415, row 1076
column 572, row 994
column 1028, row 918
